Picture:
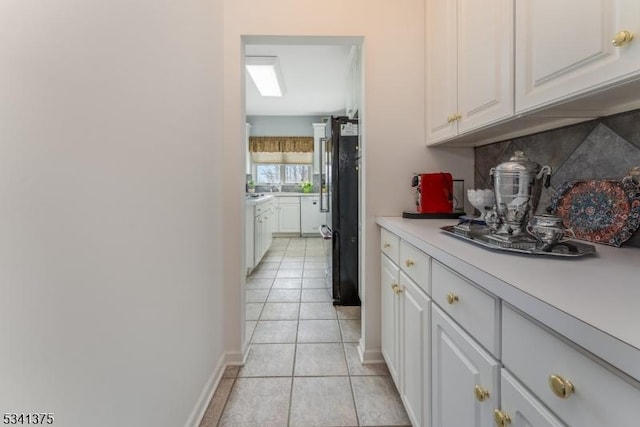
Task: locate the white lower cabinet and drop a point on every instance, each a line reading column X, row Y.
column 390, row 317
column 406, row 340
column 465, row 377
column 415, row 351
column 520, row 408
column 461, row 357
column 289, row 215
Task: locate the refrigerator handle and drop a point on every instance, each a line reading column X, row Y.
column 323, row 144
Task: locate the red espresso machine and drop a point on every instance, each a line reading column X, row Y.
column 434, row 196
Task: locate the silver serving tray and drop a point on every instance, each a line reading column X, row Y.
column 487, row 240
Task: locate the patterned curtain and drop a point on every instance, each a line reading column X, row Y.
column 281, row 144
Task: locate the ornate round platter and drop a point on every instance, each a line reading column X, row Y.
column 599, row 211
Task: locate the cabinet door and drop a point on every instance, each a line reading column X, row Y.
column 289, row 217
column 390, row 317
column 522, row 407
column 415, row 351
column 563, row 48
column 485, row 62
column 459, row 365
column 441, row 69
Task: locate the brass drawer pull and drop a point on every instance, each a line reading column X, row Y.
column 622, row 38
column 561, row 387
column 502, row 419
column 387, row 245
column 481, row 393
column 409, row 263
column 452, row 298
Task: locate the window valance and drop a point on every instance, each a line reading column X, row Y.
column 281, row 144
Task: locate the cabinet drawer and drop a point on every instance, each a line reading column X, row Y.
column 390, row 245
column 475, row 310
column 417, row 265
column 599, row 398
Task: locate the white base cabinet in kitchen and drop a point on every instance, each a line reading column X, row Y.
column 489, row 363
column 258, row 230
column 289, row 215
column 466, row 378
column 406, row 332
column 311, row 219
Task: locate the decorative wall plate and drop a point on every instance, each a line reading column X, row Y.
column 599, row 211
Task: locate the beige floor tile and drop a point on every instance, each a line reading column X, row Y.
column 269, row 360
column 287, row 273
column 314, row 283
column 263, row 274
column 288, row 283
column 257, row 402
column 357, row 368
column 280, row 311
column 317, row 310
column 322, row 402
column 315, row 295
column 313, row 273
column 253, row 310
column 258, row 283
column 378, row 402
column 318, row 331
column 314, row 360
column 350, row 330
column 348, row 311
column 250, row 326
column 275, row 332
column 314, row 265
column 292, row 265
column 257, row 295
column 214, row 410
column 284, row 295
column 268, row 265
column 292, row 258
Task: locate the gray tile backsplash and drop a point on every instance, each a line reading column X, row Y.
column 598, row 149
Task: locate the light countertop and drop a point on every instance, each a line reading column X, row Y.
column 593, row 300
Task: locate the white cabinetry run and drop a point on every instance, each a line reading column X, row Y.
column 567, row 48
column 462, row 354
column 289, row 214
column 258, row 229
column 469, row 67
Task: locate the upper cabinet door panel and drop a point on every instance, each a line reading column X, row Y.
column 485, row 62
column 564, row 48
column 441, row 69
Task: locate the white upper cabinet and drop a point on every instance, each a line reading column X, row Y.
column 469, row 65
column 564, row 48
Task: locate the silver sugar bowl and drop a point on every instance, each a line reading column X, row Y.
column 517, row 184
column 549, row 230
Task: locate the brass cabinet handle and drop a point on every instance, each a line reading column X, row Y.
column 452, row 298
column 393, row 286
column 481, row 393
column 502, row 419
column 622, row 38
column 409, row 263
column 561, row 387
column 457, row 116
column 399, row 289
column 387, row 245
column 449, row 119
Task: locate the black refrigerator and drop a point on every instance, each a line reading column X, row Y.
column 339, row 166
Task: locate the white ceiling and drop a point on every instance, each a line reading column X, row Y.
column 314, row 78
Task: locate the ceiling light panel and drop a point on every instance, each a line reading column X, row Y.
column 266, row 74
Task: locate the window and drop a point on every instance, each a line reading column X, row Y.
column 282, row 174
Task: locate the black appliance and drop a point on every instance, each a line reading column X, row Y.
column 339, row 164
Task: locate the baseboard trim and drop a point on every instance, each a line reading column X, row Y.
column 227, row 359
column 370, row 356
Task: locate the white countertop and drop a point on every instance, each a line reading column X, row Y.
column 252, row 201
column 593, row 300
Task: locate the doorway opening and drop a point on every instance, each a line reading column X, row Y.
column 322, row 77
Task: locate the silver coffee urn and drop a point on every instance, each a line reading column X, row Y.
column 517, row 185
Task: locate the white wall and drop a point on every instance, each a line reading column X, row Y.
column 111, row 307
column 393, row 118
column 282, row 125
